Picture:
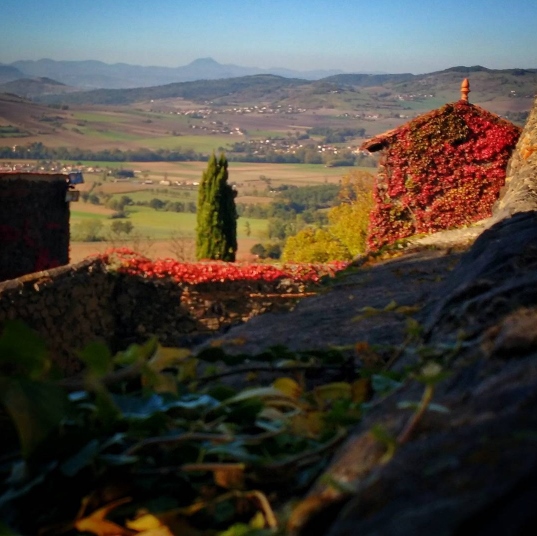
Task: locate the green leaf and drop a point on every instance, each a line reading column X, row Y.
column 142, row 408
column 97, row 358
column 36, row 409
column 137, row 352
column 106, row 409
column 383, row 384
column 81, row 459
column 23, row 349
column 19, row 491
column 407, row 404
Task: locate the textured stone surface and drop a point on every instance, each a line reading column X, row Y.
column 73, row 305
column 520, row 191
column 34, row 223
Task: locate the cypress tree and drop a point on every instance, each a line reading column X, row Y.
column 216, row 231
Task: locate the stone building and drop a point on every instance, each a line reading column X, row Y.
column 34, row 223
column 442, row 170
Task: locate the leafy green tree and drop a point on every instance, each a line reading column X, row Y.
column 156, row 203
column 349, row 220
column 314, row 245
column 88, row 231
column 259, row 250
column 345, row 236
column 216, row 231
column 119, row 227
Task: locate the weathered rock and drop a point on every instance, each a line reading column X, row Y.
column 520, row 191
column 335, row 318
column 472, row 470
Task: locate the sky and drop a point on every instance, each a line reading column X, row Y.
column 391, row 36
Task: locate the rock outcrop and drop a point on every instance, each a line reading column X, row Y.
column 520, row 191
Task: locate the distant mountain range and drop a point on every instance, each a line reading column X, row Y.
column 505, row 91
column 96, row 74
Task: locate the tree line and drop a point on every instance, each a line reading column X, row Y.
column 238, row 153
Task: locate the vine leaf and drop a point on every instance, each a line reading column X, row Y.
column 23, row 351
column 97, row 524
column 36, row 409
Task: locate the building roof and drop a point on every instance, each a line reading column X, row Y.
column 381, row 141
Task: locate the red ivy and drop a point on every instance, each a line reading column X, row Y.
column 443, row 170
column 130, row 262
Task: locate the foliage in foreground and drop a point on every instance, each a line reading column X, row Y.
column 152, row 439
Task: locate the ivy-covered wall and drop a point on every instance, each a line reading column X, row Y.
column 442, row 170
column 74, row 305
column 34, row 223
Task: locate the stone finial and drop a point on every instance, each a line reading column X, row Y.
column 465, row 89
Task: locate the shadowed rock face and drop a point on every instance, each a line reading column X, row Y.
column 473, row 469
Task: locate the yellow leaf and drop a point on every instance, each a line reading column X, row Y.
column 324, row 394
column 392, row 306
column 308, row 424
column 407, row 309
column 165, row 357
column 361, row 390
column 97, row 524
column 188, row 370
column 368, row 311
column 258, row 521
column 288, row 386
column 162, row 531
column 144, row 522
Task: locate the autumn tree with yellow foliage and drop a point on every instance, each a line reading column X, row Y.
column 345, row 236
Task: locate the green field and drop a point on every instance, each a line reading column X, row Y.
column 113, row 135
column 159, row 225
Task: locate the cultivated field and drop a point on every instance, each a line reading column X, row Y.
column 159, row 233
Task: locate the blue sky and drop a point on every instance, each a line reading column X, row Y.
column 352, row 35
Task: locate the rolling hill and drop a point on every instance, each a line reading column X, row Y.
column 96, row 74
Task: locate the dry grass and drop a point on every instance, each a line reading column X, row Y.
column 158, row 249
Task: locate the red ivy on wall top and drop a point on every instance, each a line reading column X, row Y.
column 442, row 170
column 127, row 261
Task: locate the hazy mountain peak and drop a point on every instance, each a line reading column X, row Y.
column 204, row 62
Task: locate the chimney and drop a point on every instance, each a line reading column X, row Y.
column 465, row 89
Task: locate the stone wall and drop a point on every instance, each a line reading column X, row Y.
column 34, row 223
column 73, row 305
